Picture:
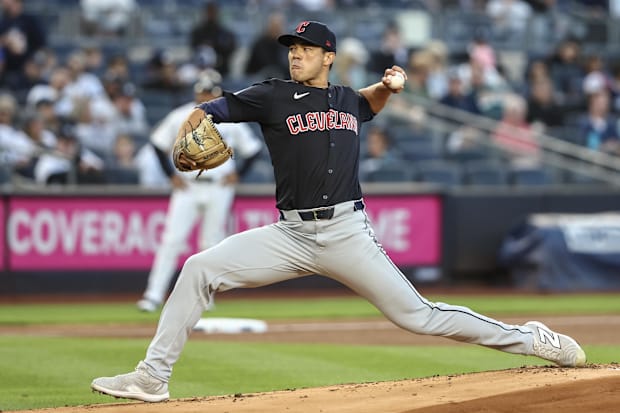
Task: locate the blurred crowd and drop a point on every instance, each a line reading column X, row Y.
column 85, row 116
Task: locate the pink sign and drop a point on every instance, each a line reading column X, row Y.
column 408, row 227
column 46, row 233
column 3, row 251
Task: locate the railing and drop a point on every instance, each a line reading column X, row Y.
column 556, row 152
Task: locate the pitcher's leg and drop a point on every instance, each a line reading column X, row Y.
column 253, row 258
column 374, row 276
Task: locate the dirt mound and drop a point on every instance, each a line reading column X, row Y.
column 527, row 389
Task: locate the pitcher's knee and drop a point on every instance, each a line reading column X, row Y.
column 415, row 321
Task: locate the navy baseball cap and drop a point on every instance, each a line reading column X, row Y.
column 314, row 33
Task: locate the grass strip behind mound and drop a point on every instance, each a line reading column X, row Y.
column 304, row 308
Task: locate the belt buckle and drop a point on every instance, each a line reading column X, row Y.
column 317, row 211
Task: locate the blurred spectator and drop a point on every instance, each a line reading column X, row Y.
column 465, row 141
column 161, row 73
column 83, row 83
column 69, row 163
column 94, row 61
column 537, row 70
column 486, row 83
column 45, row 109
column 350, row 67
column 391, row 52
column 457, row 97
column 33, row 74
column 124, row 152
column 210, row 32
column 42, row 140
column 129, row 112
column 379, row 151
column 315, row 5
column 615, row 87
column 117, row 67
column 54, row 91
column 515, row 135
column 595, row 79
column 599, row 129
column 94, row 126
column 189, row 72
column 16, row 149
column 481, row 50
column 543, row 108
column 106, row 17
column 266, row 58
column 510, row 18
column 437, row 82
column 21, row 35
column 418, row 71
column 82, row 87
column 567, row 73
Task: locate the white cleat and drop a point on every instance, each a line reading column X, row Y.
column 558, row 348
column 138, row 385
column 147, row 305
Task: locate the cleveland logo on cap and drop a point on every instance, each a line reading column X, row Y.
column 301, row 27
column 311, row 32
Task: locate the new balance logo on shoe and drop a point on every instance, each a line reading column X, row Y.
column 298, row 96
column 546, row 336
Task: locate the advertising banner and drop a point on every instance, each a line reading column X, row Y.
column 3, row 251
column 65, row 233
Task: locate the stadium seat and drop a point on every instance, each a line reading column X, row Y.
column 419, row 149
column 121, row 176
column 389, row 173
column 261, row 172
column 439, row 172
column 530, row 177
column 485, row 172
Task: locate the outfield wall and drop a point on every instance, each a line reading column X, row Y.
column 81, row 239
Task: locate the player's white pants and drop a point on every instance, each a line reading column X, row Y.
column 208, row 202
column 344, row 249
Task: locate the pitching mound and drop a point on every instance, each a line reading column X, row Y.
column 523, row 390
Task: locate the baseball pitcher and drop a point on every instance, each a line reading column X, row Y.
column 312, row 129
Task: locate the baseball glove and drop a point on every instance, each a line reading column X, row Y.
column 199, row 145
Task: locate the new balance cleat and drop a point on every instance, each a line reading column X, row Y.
column 558, row 348
column 138, row 385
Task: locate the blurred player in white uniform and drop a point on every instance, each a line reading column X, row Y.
column 208, row 197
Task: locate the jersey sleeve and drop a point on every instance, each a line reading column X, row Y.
column 366, row 113
column 249, row 104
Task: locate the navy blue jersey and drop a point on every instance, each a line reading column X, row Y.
column 312, row 135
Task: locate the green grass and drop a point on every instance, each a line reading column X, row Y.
column 37, row 372
column 57, row 371
column 327, row 308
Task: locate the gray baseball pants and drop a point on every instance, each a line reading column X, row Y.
column 343, row 248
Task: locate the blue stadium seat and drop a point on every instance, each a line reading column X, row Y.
column 121, row 176
column 439, row 172
column 419, row 149
column 530, row 177
column 485, row 172
column 389, row 173
column 261, row 172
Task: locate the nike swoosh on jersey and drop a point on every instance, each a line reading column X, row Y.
column 297, row 96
